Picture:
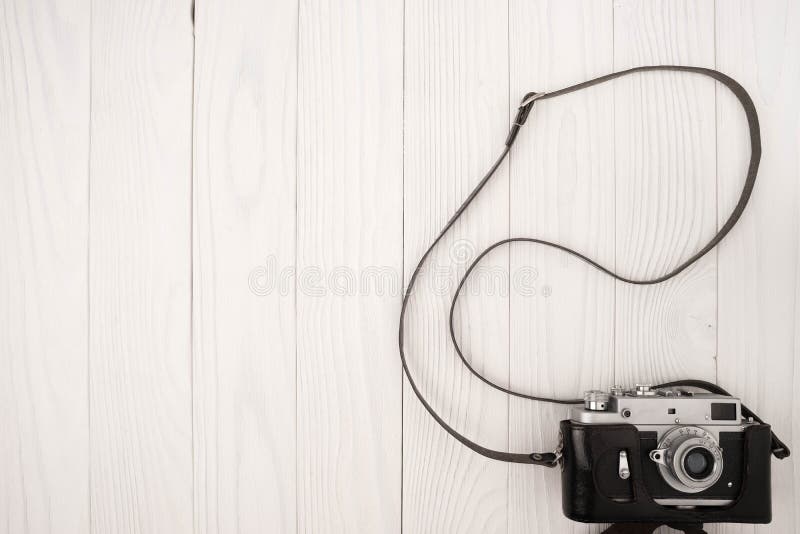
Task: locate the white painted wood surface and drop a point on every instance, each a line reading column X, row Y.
column 456, row 104
column 140, row 252
column 205, row 229
column 349, row 221
column 759, row 265
column 244, row 387
column 44, row 228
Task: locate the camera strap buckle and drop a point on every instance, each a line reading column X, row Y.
column 546, row 459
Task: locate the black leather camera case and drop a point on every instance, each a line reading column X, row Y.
column 592, row 491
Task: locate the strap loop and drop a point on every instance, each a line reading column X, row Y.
column 551, row 459
column 524, row 110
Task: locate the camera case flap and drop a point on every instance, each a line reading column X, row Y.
column 592, row 491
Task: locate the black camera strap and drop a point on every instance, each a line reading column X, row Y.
column 551, row 459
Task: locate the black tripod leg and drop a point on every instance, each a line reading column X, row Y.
column 694, row 528
column 631, row 528
column 649, row 528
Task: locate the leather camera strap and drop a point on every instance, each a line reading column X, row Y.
column 551, row 459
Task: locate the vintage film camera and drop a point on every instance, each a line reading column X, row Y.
column 670, row 454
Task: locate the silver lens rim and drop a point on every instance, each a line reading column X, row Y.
column 678, row 442
column 687, row 480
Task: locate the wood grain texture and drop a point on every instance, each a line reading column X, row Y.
column 666, row 189
column 140, row 267
column 562, row 189
column 349, row 224
column 456, row 107
column 203, row 246
column 758, row 43
column 44, row 150
column 244, row 253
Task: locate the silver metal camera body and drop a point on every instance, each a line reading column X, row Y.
column 687, row 427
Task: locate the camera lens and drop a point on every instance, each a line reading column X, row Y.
column 698, row 463
column 689, row 459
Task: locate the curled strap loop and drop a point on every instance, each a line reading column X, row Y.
column 526, row 106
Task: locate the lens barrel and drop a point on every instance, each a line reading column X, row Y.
column 689, row 459
column 698, row 463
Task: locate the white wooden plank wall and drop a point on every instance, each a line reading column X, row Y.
column 208, row 212
column 244, row 387
column 140, row 251
column 349, row 222
column 456, row 104
column 44, row 228
column 759, row 265
column 665, row 203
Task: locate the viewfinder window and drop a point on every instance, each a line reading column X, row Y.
column 723, row 411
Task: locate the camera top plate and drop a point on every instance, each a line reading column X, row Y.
column 644, row 406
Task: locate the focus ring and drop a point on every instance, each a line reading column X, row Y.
column 679, row 443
